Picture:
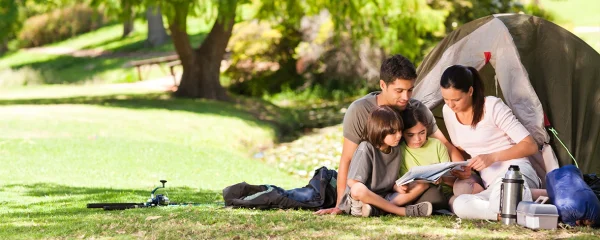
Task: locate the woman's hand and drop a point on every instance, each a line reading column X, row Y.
column 482, row 161
column 464, row 174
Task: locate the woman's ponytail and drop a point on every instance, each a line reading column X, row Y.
column 478, row 96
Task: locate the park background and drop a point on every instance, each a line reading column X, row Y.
column 78, row 125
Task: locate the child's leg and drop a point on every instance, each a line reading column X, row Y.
column 415, row 190
column 436, row 196
column 360, row 192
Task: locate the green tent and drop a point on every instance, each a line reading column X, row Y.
column 537, row 68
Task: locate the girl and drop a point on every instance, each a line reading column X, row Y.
column 486, row 129
column 419, row 150
column 374, row 169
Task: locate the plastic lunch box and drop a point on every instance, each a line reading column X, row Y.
column 537, row 215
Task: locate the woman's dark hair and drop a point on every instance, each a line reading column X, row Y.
column 384, row 120
column 462, row 78
column 410, row 118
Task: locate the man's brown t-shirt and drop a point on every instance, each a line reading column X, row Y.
column 355, row 118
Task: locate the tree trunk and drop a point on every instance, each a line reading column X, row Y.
column 3, row 45
column 128, row 18
column 201, row 67
column 157, row 35
column 127, row 27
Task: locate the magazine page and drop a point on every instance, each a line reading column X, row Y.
column 429, row 173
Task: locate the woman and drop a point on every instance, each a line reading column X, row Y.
column 486, row 129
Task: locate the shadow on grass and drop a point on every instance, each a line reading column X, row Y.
column 107, row 42
column 68, row 69
column 132, row 47
column 65, row 199
column 290, row 123
column 45, row 209
column 195, row 40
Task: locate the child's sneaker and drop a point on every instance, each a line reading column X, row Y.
column 356, row 207
column 419, row 210
column 370, row 211
column 366, row 210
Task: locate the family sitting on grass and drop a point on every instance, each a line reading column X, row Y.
column 387, row 132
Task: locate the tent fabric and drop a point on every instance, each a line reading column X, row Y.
column 537, row 68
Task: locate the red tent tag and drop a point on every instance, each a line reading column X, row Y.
column 488, row 56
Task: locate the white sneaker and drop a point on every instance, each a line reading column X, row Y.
column 356, row 207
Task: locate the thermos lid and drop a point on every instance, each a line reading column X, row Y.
column 513, row 174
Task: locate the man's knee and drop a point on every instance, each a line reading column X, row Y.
column 358, row 190
column 466, row 186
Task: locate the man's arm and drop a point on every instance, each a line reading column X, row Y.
column 455, row 155
column 348, row 149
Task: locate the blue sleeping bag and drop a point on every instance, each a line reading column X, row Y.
column 573, row 198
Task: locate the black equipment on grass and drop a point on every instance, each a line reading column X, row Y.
column 153, row 201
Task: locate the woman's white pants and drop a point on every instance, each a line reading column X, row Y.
column 486, row 204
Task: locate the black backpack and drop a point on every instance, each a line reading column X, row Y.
column 319, row 193
column 593, row 181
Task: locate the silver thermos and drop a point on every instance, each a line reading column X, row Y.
column 511, row 193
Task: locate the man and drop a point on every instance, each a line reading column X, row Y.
column 397, row 80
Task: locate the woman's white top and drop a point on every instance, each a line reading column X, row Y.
column 498, row 130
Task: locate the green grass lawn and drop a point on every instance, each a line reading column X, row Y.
column 61, row 152
column 65, row 152
column 577, row 13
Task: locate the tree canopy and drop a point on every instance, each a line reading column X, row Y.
column 409, row 27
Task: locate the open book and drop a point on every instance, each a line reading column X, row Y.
column 430, row 173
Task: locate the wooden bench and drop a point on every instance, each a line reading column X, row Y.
column 171, row 65
column 171, row 61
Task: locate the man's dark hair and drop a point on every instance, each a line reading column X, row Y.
column 397, row 67
column 384, row 120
